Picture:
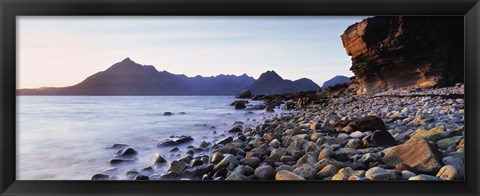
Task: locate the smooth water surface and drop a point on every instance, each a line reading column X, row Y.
column 65, row 137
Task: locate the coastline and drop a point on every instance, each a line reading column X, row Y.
column 334, row 135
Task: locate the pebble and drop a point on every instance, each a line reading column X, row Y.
column 286, row 175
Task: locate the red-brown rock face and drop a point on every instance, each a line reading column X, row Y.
column 404, row 51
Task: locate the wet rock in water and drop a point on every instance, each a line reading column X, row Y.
column 236, row 129
column 253, row 162
column 126, row 152
column 286, row 175
column 196, row 162
column 265, row 172
column 306, row 171
column 269, row 109
column 146, row 171
column 449, row 172
column 368, row 123
column 239, row 105
column 116, row 161
column 417, row 153
column 159, row 159
column 343, row 174
column 169, row 176
column 182, row 113
column 433, row 134
column 244, row 94
column 175, row 140
column 167, row 113
column 204, row 144
column 117, row 146
column 131, row 174
column 187, row 158
column 141, row 177
column 236, row 176
column 100, row 177
column 379, row 138
column 177, row 166
column 174, row 150
column 216, row 157
column 327, row 171
column 225, row 140
column 377, row 173
column 228, row 162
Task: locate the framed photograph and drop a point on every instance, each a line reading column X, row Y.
column 235, row 97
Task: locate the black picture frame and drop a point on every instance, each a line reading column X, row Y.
column 9, row 9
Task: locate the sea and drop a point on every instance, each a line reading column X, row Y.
column 67, row 137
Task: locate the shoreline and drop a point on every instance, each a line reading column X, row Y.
column 342, row 138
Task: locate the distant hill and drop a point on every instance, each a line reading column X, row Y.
column 130, row 78
column 270, row 83
column 335, row 80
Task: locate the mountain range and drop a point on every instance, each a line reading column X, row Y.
column 130, row 78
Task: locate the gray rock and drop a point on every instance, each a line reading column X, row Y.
column 265, row 172
column 177, row 166
column 377, row 173
column 216, row 157
column 174, row 140
column 100, row 177
column 228, row 162
column 159, row 159
column 252, row 162
column 417, row 153
column 306, row 171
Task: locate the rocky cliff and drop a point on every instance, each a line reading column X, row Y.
column 400, row 51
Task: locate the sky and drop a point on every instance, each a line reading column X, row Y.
column 57, row 51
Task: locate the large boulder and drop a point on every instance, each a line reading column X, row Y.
column 417, row 153
column 367, row 123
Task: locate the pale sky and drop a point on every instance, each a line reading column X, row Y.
column 56, row 51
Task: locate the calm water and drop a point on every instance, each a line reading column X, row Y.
column 65, row 137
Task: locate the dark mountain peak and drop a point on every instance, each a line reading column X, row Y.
column 125, row 65
column 270, row 75
column 127, row 60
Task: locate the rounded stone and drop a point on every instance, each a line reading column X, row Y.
column 286, row 175
column 265, row 172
